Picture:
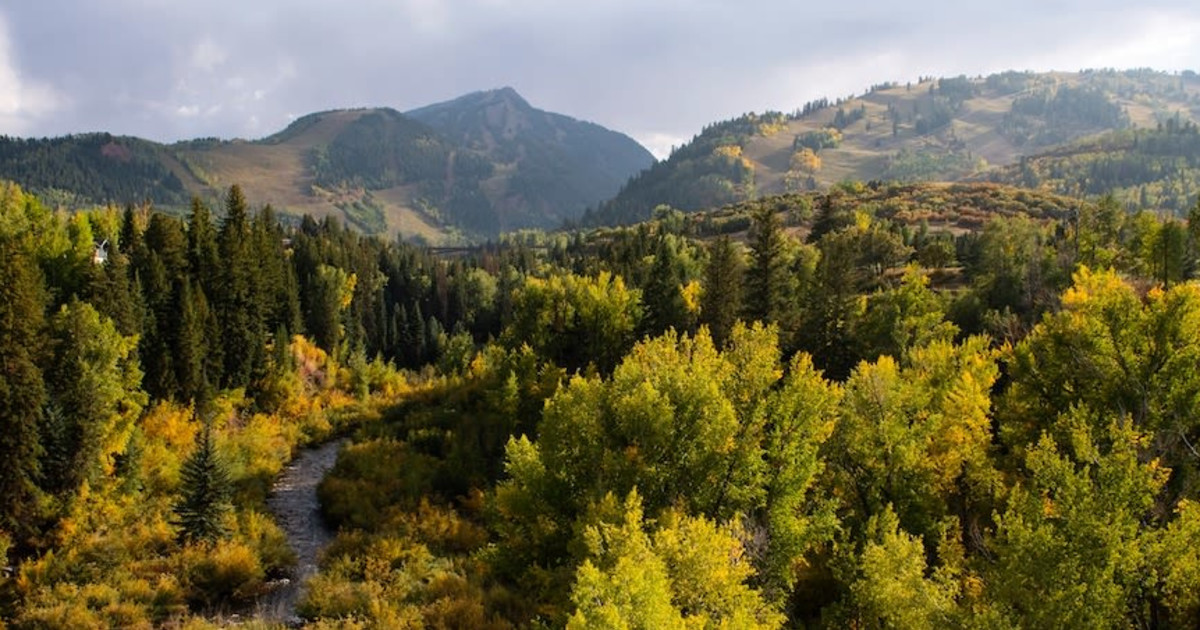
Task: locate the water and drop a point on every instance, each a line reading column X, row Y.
column 294, row 504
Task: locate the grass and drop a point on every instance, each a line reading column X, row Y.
column 277, row 173
column 865, row 153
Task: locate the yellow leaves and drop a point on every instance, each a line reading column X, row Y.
column 1104, row 286
column 730, row 151
column 805, row 161
column 691, row 296
column 169, row 434
column 1048, row 509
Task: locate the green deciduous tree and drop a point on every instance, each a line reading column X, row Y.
column 94, row 380
column 1073, row 532
column 576, row 320
column 891, row 588
column 1118, row 353
column 915, row 438
column 688, row 573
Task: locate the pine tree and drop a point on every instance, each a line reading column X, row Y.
column 22, row 393
column 237, row 298
column 206, row 492
column 203, row 258
column 661, row 295
column 190, row 349
column 767, row 279
column 722, row 301
column 130, row 239
column 111, row 289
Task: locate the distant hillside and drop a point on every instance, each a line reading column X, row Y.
column 549, row 165
column 1144, row 168
column 930, row 130
column 93, row 168
column 484, row 163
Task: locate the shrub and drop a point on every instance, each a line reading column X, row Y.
column 228, row 572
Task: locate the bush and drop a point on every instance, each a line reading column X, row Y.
column 228, row 572
column 268, row 542
column 372, row 478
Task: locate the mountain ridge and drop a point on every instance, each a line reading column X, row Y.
column 946, row 129
column 376, row 168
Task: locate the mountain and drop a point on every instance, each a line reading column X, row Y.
column 472, row 167
column 946, row 129
column 550, row 165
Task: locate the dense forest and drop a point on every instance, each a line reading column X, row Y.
column 912, row 406
column 89, row 169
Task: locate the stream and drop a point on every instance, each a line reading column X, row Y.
column 294, row 504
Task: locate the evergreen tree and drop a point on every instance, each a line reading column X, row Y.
column 277, row 290
column 767, row 279
column 22, row 394
column 832, row 215
column 111, row 289
column 190, row 348
column 203, row 258
column 130, row 239
column 1192, row 262
column 662, row 295
column 202, row 508
column 242, row 330
column 722, row 301
column 414, row 339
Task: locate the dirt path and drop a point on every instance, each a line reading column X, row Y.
column 294, row 503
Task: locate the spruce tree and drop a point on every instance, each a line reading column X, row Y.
column 111, row 289
column 242, row 330
column 767, row 280
column 190, row 349
column 722, row 301
column 203, row 258
column 22, row 393
column 207, row 488
column 661, row 294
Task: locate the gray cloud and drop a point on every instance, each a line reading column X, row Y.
column 657, row 70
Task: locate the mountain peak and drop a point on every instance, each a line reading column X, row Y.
column 500, row 96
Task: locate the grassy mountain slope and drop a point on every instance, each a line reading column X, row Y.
column 378, row 169
column 947, row 129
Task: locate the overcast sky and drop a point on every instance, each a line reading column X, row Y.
column 657, row 70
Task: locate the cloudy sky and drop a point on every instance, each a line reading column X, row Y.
column 656, row 69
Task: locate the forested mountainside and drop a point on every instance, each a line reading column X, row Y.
column 930, row 130
column 486, row 163
column 904, row 405
column 1143, row 168
column 560, row 165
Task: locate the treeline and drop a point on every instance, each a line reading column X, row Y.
column 1143, row 168
column 91, row 169
column 1052, row 115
